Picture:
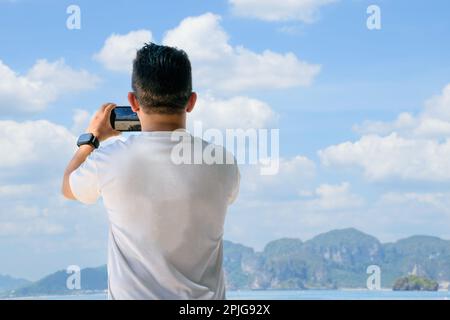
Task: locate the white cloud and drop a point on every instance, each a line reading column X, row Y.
column 202, row 37
column 80, row 121
column 410, row 148
column 294, row 176
column 21, row 220
column 438, row 201
column 282, row 211
column 389, row 218
column 237, row 112
column 8, row 191
column 33, row 143
column 35, row 228
column 44, row 83
column 334, row 197
column 432, row 122
column 276, row 10
column 392, row 157
column 118, row 51
column 219, row 66
column 34, row 216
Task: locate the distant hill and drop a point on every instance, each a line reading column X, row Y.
column 425, row 256
column 93, row 279
column 8, row 283
column 336, row 259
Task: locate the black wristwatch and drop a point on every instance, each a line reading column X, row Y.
column 89, row 139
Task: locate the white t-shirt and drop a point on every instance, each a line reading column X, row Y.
column 166, row 220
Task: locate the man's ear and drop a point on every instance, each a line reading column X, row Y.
column 133, row 102
column 191, row 102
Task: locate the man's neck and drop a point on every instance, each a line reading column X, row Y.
column 163, row 122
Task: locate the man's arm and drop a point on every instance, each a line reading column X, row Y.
column 100, row 127
column 80, row 156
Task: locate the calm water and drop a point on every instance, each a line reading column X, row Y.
column 302, row 295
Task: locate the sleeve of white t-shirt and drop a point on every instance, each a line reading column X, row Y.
column 84, row 181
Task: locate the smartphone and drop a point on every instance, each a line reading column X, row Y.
column 124, row 119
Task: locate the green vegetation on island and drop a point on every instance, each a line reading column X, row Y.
column 415, row 283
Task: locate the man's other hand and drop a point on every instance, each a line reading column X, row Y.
column 100, row 125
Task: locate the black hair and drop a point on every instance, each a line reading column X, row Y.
column 162, row 79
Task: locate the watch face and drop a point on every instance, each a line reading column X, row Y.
column 85, row 138
column 89, row 139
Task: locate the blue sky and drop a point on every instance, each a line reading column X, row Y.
column 363, row 138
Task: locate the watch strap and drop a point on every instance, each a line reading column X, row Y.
column 88, row 139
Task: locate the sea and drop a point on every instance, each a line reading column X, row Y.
column 296, row 295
